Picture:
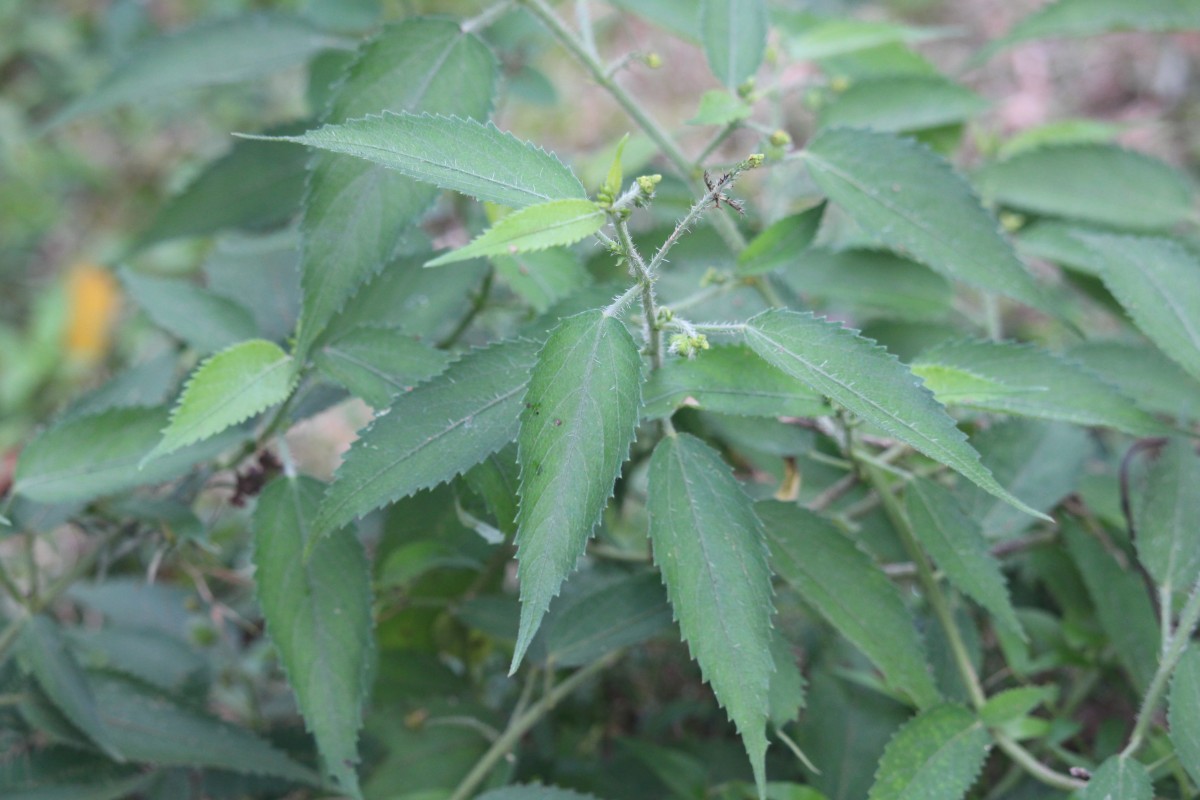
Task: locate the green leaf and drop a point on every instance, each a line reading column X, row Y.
column 542, row 278
column 730, row 379
column 902, row 103
column 619, row 614
column 718, row 107
column 615, row 179
column 1119, row 778
column 709, row 545
column 786, row 699
column 91, row 456
column 1122, row 604
column 1012, row 704
column 553, row 224
column 429, row 435
column 734, row 33
column 485, row 162
column 580, row 414
column 206, row 321
column 208, row 54
column 1091, row 17
column 872, row 283
column 840, row 582
column 318, row 614
column 1184, row 713
column 782, row 244
column 254, row 185
column 840, row 36
column 357, row 213
column 1059, row 132
column 534, row 792
column 677, row 16
column 935, row 756
column 150, row 728
column 866, row 380
column 44, row 654
column 153, row 657
column 1157, row 281
column 226, row 389
column 377, row 364
column 1168, row 540
column 1090, row 183
column 956, row 544
column 1039, row 462
column 1024, row 379
column 65, row 773
column 914, row 201
column 1142, row 372
column 261, row 273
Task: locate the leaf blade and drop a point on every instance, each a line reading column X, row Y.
column 1184, row 711
column 555, row 223
column 935, row 756
column 734, row 33
column 710, row 547
column 581, row 411
column 833, row 360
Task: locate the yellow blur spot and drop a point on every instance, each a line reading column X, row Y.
column 92, row 302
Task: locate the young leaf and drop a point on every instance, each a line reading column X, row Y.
column 1090, row 183
column 420, row 65
column 781, row 244
column 935, row 756
column 553, row 224
column 729, row 379
column 956, row 544
column 211, row 53
column 580, row 414
column 429, row 435
column 1119, row 778
column 376, row 364
column 1158, row 283
column 1184, row 714
column 206, row 321
column 1024, row 379
column 318, row 614
column 484, row 162
column 840, row 582
column 734, row 33
column 226, row 389
column 615, row 178
column 86, row 457
column 150, row 728
column 1168, row 541
column 913, row 200
column 709, row 545
column 866, row 380
column 898, row 104
column 43, row 652
column 1122, row 604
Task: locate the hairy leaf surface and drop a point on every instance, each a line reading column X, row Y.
column 734, row 33
column 912, row 199
column 356, row 213
column 1184, row 713
column 1090, row 183
column 429, row 435
column 1024, row 379
column 866, row 380
column 484, row 162
column 318, row 614
column 956, row 544
column 552, row 224
column 226, row 389
column 1157, row 281
column 935, row 756
column 710, row 547
column 847, row 589
column 581, row 410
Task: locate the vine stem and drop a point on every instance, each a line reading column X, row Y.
column 941, row 609
column 521, row 723
column 1189, row 618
